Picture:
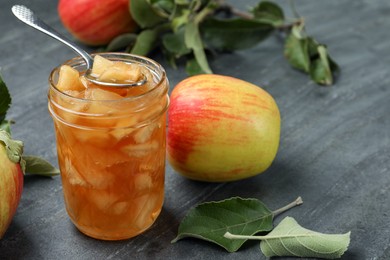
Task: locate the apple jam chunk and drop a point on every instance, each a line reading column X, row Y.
column 73, row 83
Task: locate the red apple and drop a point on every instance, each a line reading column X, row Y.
column 11, row 179
column 96, row 22
column 221, row 128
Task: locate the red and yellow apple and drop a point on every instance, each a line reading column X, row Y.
column 11, row 179
column 96, row 22
column 221, row 128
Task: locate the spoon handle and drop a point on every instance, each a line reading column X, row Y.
column 27, row 16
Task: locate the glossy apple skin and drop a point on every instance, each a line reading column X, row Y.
column 96, row 22
column 11, row 187
column 221, row 129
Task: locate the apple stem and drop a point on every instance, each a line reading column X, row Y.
column 298, row 201
column 234, row 236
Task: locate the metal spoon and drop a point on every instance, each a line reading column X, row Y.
column 27, row 16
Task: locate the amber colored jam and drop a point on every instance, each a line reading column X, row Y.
column 111, row 152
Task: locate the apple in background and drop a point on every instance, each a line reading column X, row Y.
column 221, row 128
column 11, row 179
column 96, row 22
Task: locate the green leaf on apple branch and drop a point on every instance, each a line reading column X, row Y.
column 38, row 166
column 297, row 51
column 234, row 34
column 175, row 44
column 193, row 41
column 14, row 148
column 194, row 28
column 193, row 67
column 323, row 68
column 146, row 42
column 5, row 100
column 211, row 220
column 122, row 41
column 290, row 239
column 192, row 37
column 182, row 15
column 144, row 14
column 307, row 55
column 163, row 7
column 269, row 12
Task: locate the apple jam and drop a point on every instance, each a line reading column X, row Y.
column 111, row 144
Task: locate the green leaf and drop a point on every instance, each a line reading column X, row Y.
column 193, row 41
column 193, row 68
column 290, row 239
column 175, row 43
column 163, row 7
column 38, row 166
column 14, row 148
column 320, row 71
column 144, row 14
column 211, row 220
column 121, row 42
column 180, row 19
column 269, row 12
column 323, row 69
column 170, row 58
column 306, row 54
column 6, row 125
column 181, row 2
column 146, row 42
column 234, row 34
column 5, row 99
column 312, row 48
column 296, row 51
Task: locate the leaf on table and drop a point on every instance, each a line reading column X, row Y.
column 269, row 12
column 312, row 48
column 323, row 67
column 306, row 54
column 296, row 51
column 121, row 42
column 145, row 42
column 144, row 14
column 234, row 34
column 211, row 220
column 5, row 99
column 38, row 166
column 320, row 70
column 290, row 239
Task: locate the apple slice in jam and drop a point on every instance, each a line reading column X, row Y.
column 69, row 79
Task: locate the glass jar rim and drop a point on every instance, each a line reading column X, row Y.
column 78, row 61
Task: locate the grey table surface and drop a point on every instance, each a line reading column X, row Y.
column 334, row 149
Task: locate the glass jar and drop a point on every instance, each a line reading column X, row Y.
column 111, row 152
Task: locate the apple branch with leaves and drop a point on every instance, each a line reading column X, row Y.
column 190, row 30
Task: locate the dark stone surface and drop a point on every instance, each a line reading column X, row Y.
column 334, row 150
